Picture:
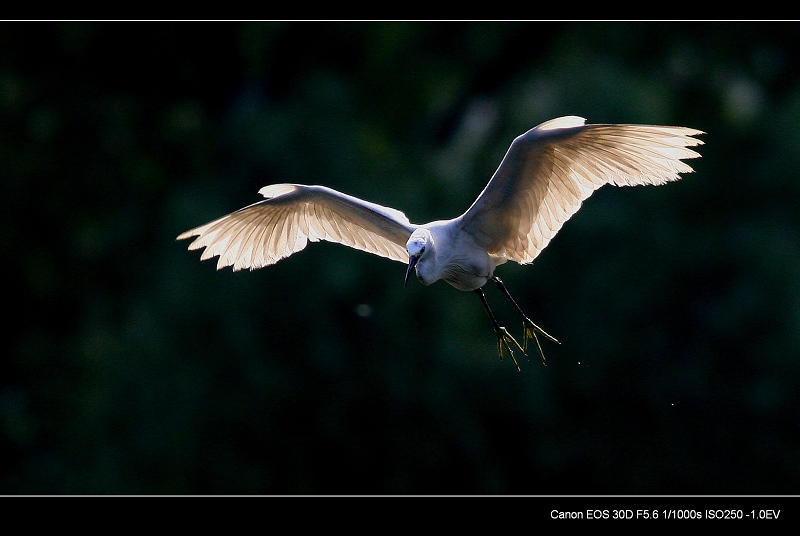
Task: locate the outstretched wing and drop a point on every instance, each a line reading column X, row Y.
column 292, row 214
column 551, row 169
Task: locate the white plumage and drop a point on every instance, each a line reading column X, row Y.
column 541, row 182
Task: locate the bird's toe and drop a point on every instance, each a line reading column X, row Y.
column 506, row 342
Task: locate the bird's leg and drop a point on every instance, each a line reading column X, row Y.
column 530, row 328
column 504, row 338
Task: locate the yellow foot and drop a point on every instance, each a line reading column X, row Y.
column 507, row 342
column 530, row 333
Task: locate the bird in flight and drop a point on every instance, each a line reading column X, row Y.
column 541, row 182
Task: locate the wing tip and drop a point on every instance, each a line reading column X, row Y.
column 187, row 234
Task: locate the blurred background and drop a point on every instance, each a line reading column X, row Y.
column 133, row 368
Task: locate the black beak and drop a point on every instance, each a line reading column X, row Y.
column 412, row 262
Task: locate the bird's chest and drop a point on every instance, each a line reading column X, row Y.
column 468, row 272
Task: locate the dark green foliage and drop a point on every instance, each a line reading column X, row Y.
column 133, row 368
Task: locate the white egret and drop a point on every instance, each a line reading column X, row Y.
column 542, row 180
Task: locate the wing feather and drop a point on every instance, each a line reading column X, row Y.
column 550, row 170
column 292, row 215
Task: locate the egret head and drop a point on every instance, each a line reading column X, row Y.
column 418, row 243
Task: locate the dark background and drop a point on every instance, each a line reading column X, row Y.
column 134, row 368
